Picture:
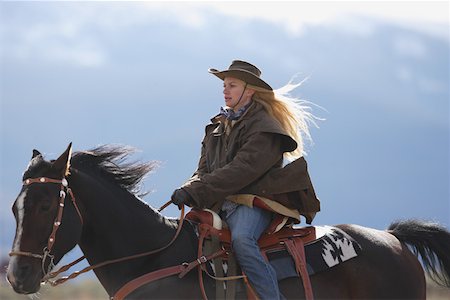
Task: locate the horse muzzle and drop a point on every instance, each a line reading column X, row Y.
column 24, row 276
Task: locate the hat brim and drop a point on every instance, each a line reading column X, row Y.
column 243, row 75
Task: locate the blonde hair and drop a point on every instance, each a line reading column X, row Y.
column 294, row 114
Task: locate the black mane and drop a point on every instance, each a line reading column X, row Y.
column 109, row 161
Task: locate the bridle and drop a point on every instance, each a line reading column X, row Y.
column 56, row 224
column 46, row 252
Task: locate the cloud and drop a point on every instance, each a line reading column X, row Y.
column 432, row 86
column 428, row 17
column 61, row 37
column 410, row 46
column 73, row 33
column 404, row 73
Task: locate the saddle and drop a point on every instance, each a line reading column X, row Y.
column 214, row 237
column 280, row 235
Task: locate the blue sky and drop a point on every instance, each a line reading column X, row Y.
column 63, row 35
column 135, row 74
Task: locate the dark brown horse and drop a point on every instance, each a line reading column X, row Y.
column 109, row 221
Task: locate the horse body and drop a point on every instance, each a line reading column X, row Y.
column 387, row 271
column 115, row 223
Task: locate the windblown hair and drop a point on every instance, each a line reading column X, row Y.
column 294, row 114
column 109, row 161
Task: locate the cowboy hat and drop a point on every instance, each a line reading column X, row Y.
column 244, row 71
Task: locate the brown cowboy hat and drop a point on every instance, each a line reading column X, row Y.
column 244, row 71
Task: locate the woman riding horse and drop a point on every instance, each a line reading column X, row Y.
column 102, row 214
column 242, row 157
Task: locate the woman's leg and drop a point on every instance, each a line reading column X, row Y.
column 246, row 225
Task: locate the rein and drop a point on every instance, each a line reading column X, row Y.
column 56, row 224
column 108, row 262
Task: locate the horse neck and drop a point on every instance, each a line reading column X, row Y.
column 116, row 224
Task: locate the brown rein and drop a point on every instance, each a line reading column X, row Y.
column 108, row 262
column 57, row 223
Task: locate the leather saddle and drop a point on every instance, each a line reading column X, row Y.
column 278, row 231
column 279, row 235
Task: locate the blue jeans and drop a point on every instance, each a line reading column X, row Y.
column 246, row 225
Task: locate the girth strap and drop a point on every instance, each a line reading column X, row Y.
column 296, row 248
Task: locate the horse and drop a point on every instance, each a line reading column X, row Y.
column 109, row 221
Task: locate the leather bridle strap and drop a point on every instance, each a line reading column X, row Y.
column 64, row 184
column 29, row 254
column 72, row 197
column 44, row 180
column 46, row 252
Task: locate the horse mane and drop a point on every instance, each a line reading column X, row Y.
column 110, row 162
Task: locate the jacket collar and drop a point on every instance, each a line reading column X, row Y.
column 253, row 108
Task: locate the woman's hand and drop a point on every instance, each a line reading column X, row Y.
column 181, row 197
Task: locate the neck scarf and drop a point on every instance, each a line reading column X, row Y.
column 230, row 114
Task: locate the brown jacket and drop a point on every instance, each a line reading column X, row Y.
column 247, row 159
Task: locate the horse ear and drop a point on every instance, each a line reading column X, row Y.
column 36, row 153
column 37, row 157
column 62, row 164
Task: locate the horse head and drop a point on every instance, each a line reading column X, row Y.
column 47, row 226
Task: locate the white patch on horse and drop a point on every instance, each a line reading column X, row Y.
column 20, row 207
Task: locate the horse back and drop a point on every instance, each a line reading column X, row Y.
column 385, row 268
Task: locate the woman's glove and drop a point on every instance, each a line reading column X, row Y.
column 180, row 197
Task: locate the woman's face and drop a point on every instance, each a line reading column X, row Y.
column 232, row 91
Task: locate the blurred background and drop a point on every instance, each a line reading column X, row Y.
column 135, row 73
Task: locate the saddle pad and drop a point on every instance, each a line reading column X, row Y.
column 331, row 249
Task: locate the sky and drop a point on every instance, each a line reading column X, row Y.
column 135, row 74
column 65, row 38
